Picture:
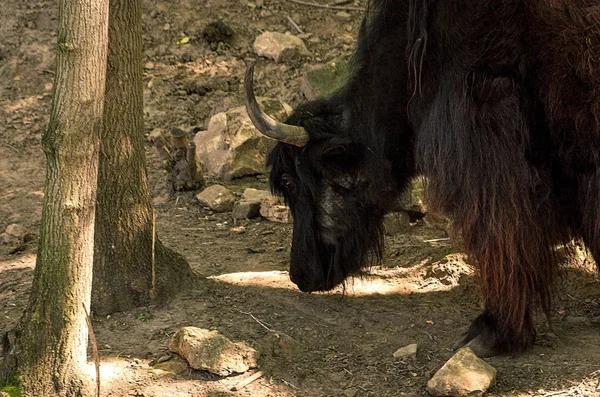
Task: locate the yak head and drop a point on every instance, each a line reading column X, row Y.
column 334, row 187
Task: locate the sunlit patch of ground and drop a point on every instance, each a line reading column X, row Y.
column 423, row 277
column 135, row 377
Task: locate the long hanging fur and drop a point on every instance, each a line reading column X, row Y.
column 486, row 155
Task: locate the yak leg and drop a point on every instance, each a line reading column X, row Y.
column 588, row 197
column 475, row 149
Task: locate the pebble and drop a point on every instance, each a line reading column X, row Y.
column 406, row 351
column 343, row 16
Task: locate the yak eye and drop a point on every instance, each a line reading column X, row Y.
column 287, row 182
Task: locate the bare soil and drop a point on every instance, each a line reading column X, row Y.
column 331, row 344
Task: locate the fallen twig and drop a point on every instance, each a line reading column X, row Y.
column 258, row 321
column 327, row 6
column 94, row 349
column 153, row 291
column 294, row 25
column 340, row 2
column 257, row 375
column 289, row 384
column 437, row 240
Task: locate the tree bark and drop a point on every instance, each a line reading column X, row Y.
column 123, row 256
column 51, row 352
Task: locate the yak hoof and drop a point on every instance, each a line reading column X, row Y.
column 481, row 345
column 482, row 338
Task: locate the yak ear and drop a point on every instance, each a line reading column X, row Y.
column 340, row 157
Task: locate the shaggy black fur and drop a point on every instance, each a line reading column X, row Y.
column 497, row 104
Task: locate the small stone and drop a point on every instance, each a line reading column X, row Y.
column 272, row 210
column 166, row 26
column 216, row 197
column 157, row 132
column 255, row 195
column 246, row 210
column 238, row 230
column 351, row 392
column 279, row 47
column 343, row 16
column 148, row 66
column 406, row 351
column 348, row 28
column 464, row 374
column 210, row 351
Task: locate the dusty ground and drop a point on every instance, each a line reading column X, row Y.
column 310, row 345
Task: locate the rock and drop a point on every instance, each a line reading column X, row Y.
column 272, row 210
column 249, row 206
column 406, row 351
column 255, row 195
column 395, row 222
column 155, row 134
column 149, row 66
column 216, row 197
column 231, row 147
column 323, row 81
column 279, row 47
column 14, row 234
column 175, row 365
column 351, row 392
column 464, row 374
column 245, row 210
column 343, row 16
column 210, row 351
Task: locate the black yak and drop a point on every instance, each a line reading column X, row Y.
column 497, row 104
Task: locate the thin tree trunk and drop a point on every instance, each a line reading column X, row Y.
column 52, row 345
column 124, row 215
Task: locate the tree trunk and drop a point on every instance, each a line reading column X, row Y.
column 123, row 256
column 52, row 345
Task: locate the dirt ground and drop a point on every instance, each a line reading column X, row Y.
column 330, row 344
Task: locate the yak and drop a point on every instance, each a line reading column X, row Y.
column 496, row 103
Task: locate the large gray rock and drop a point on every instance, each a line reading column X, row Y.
column 323, row 81
column 232, row 147
column 210, row 351
column 279, row 47
column 216, row 197
column 464, row 374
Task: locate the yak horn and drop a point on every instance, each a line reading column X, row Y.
column 291, row 134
